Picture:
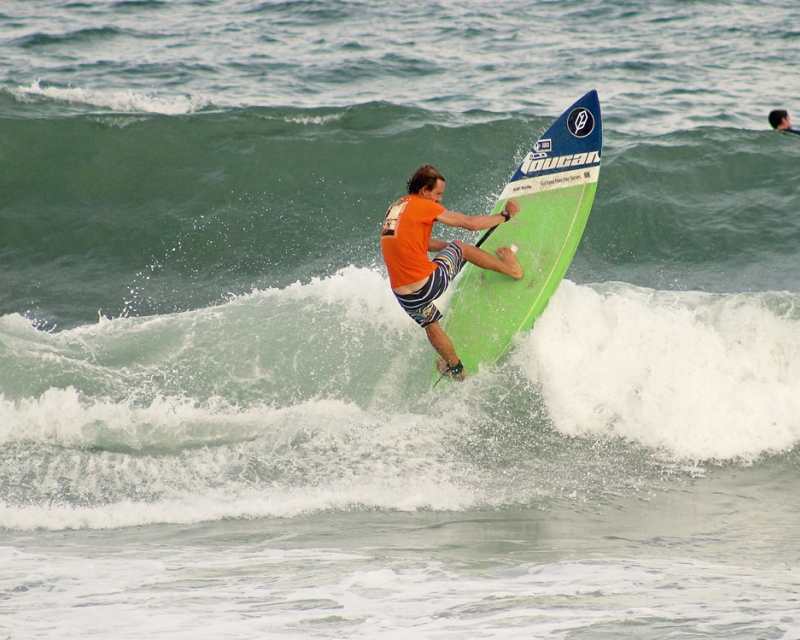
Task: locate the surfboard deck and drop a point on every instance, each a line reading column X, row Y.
column 555, row 186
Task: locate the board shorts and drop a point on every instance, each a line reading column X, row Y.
column 419, row 305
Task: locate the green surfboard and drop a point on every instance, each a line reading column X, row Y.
column 555, row 186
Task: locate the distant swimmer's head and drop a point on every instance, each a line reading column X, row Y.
column 779, row 119
column 427, row 182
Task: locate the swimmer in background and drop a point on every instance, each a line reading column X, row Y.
column 780, row 121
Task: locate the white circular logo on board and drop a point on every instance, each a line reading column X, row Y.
column 580, row 122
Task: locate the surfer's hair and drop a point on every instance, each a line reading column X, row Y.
column 424, row 178
column 777, row 116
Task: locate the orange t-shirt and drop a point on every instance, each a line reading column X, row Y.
column 404, row 239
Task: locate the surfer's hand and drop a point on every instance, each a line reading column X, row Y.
column 512, row 206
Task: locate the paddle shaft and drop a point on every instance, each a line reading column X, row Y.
column 485, row 235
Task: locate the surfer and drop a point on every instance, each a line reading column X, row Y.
column 780, row 121
column 417, row 280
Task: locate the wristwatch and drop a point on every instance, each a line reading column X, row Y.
column 506, row 215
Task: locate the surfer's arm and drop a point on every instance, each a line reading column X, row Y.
column 478, row 223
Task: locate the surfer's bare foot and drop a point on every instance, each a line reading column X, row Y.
column 441, row 367
column 510, row 259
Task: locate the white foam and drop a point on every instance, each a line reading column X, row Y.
column 321, row 454
column 365, row 293
column 394, row 494
column 698, row 375
column 65, row 417
column 326, row 119
column 229, row 588
column 694, row 375
column 124, row 101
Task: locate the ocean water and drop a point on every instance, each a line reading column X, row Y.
column 215, row 420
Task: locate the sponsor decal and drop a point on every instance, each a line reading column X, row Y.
column 540, row 162
column 551, row 181
column 580, row 122
column 543, row 146
column 392, row 215
column 540, row 150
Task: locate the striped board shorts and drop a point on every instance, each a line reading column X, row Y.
column 419, row 305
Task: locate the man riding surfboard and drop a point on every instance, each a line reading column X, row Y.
column 416, row 280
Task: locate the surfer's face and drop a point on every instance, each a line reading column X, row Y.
column 434, row 194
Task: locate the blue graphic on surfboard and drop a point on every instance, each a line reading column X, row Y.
column 555, row 186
